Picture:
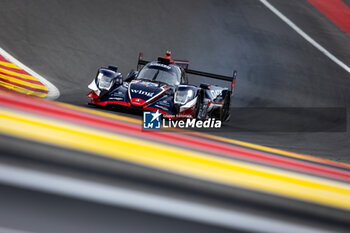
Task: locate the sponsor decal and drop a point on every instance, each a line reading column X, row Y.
column 216, row 93
column 148, row 84
column 119, row 94
column 161, row 65
column 163, row 103
column 116, row 98
column 161, row 107
column 142, row 92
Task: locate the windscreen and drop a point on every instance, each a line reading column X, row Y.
column 169, row 76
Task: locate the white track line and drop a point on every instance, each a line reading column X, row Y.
column 149, row 202
column 305, row 36
column 54, row 93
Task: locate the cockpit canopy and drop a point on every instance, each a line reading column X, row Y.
column 157, row 72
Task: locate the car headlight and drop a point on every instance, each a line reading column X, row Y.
column 182, row 97
column 104, row 82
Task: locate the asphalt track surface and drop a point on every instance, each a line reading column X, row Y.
column 66, row 41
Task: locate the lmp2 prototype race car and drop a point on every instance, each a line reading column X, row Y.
column 162, row 86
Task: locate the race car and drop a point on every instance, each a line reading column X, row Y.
column 163, row 86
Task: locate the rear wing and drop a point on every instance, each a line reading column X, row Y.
column 231, row 79
column 141, row 62
column 184, row 65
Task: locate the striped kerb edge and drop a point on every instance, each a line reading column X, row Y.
column 14, row 78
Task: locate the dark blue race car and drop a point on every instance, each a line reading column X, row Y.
column 163, row 85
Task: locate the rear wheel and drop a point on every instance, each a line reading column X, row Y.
column 225, row 110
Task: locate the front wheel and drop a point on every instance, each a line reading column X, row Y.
column 202, row 107
column 198, row 106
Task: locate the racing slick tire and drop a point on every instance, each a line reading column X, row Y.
column 198, row 105
column 225, row 110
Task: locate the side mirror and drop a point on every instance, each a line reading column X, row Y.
column 131, row 76
column 205, row 86
column 169, row 91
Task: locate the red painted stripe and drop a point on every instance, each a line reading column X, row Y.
column 23, row 79
column 110, row 102
column 3, row 59
column 20, row 71
column 48, row 109
column 335, row 10
column 23, row 86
